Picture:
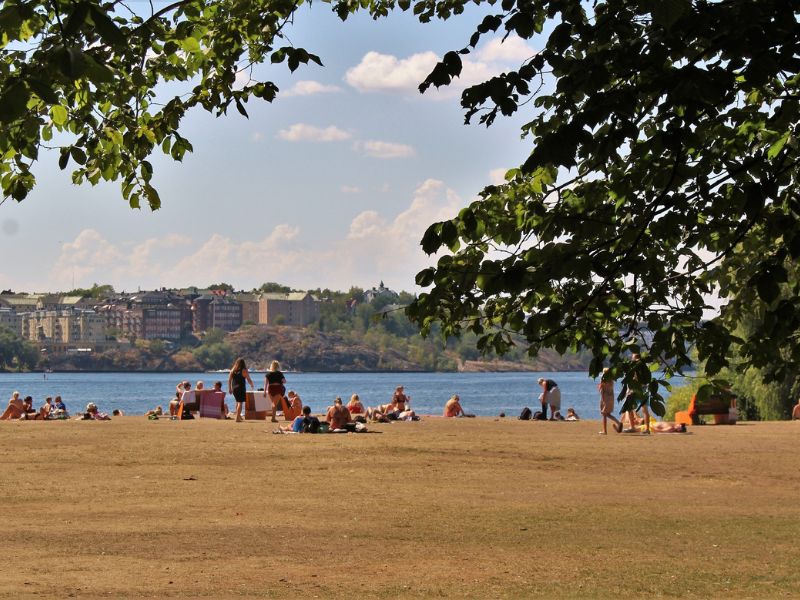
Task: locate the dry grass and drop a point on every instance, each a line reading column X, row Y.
column 457, row 509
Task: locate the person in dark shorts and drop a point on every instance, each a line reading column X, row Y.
column 550, row 396
column 236, row 385
column 274, row 383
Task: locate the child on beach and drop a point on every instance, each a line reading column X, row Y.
column 606, row 388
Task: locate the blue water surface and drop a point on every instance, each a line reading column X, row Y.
column 485, row 394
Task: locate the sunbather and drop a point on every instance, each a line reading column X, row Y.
column 15, row 408
column 59, row 410
column 453, row 408
column 796, row 411
column 338, row 416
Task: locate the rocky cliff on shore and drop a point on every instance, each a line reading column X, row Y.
column 306, row 350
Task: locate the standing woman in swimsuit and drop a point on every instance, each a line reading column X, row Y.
column 237, row 387
column 274, row 384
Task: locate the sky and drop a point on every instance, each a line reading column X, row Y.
column 332, row 185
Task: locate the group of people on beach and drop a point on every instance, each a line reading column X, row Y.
column 22, row 408
column 52, row 409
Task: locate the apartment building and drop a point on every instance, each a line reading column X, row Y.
column 294, row 308
column 216, row 311
column 60, row 330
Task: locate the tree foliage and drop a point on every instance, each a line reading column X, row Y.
column 96, row 291
column 16, row 353
column 80, row 77
column 663, row 168
column 663, row 163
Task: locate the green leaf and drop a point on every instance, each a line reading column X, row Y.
column 107, row 29
column 667, row 12
column 59, row 115
column 14, row 102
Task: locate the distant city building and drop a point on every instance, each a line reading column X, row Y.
column 60, row 330
column 294, row 308
column 250, row 307
column 10, row 320
column 216, row 311
column 149, row 315
column 31, row 302
column 380, row 292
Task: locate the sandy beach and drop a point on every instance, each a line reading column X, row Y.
column 470, row 508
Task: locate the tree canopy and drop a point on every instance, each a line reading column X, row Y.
column 663, row 164
column 663, row 170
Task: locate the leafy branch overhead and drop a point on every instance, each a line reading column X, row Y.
column 82, row 77
column 663, row 170
column 663, row 164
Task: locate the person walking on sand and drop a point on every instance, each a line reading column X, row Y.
column 237, row 387
column 275, row 384
column 606, row 388
column 550, row 396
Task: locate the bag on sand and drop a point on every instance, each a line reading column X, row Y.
column 525, row 415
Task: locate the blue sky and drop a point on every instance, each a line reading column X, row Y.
column 331, row 185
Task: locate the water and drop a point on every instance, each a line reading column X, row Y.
column 485, row 394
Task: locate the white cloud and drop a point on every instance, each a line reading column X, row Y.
column 300, row 132
column 257, row 136
column 378, row 149
column 512, row 50
column 310, row 88
column 350, row 189
column 387, row 73
column 384, row 72
column 374, row 247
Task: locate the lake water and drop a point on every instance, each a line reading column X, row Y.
column 485, row 394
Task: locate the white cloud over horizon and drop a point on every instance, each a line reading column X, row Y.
column 374, row 247
column 386, row 73
column 385, row 150
column 302, row 132
column 310, row 88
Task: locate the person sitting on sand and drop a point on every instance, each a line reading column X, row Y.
column 93, row 413
column 796, row 411
column 30, row 413
column 399, row 400
column 154, row 412
column 572, row 415
column 338, row 416
column 117, row 412
column 453, row 408
column 44, row 411
column 310, row 422
column 14, row 409
column 59, row 410
column 175, row 404
column 354, row 406
column 298, row 425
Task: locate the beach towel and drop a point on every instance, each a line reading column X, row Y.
column 211, row 404
column 257, row 406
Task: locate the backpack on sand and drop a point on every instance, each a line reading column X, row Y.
column 525, row 415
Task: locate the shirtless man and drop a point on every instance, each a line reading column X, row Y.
column 15, row 408
column 338, row 416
